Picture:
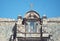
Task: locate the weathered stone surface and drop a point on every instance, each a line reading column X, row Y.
column 6, row 26
column 53, row 28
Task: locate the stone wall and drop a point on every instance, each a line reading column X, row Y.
column 53, row 28
column 6, row 26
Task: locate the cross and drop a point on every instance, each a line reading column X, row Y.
column 31, row 6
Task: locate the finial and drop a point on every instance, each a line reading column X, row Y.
column 19, row 17
column 31, row 6
column 44, row 16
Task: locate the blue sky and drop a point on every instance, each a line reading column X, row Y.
column 13, row 8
